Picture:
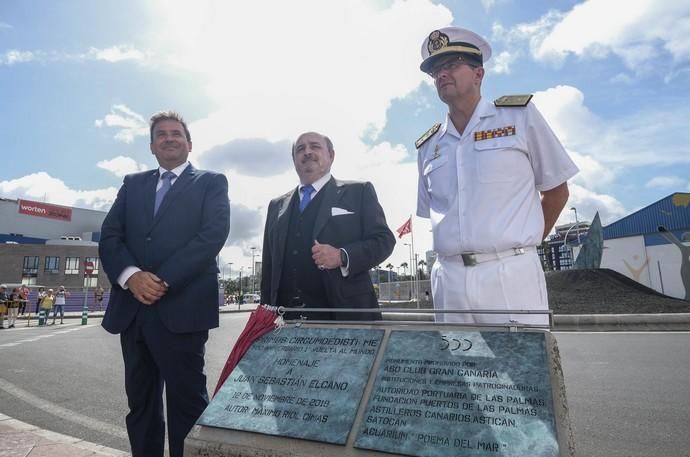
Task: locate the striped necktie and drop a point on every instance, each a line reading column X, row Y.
column 167, row 178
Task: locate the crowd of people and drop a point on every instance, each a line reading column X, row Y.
column 12, row 304
column 16, row 301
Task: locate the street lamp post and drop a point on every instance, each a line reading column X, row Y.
column 413, row 268
column 253, row 265
column 239, row 295
column 229, row 270
column 225, row 281
column 577, row 225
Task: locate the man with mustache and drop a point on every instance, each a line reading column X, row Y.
column 493, row 180
column 321, row 239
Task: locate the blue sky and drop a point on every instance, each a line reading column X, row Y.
column 79, row 79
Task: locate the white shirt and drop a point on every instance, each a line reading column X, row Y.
column 482, row 195
column 60, row 297
column 317, row 185
column 177, row 170
column 130, row 270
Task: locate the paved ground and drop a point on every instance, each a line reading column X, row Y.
column 571, row 292
column 19, row 439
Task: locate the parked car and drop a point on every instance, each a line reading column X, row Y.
column 251, row 298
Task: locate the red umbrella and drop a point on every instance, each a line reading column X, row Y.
column 262, row 320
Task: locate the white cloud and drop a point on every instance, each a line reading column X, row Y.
column 116, row 54
column 569, row 117
column 593, row 174
column 131, row 124
column 328, row 68
column 588, row 203
column 15, row 56
column 4, row 25
column 121, row 166
column 677, row 72
column 487, row 4
column 532, row 33
column 578, row 128
column 622, row 78
column 638, row 139
column 602, row 148
column 331, row 89
column 501, row 63
column 654, row 136
column 313, row 72
column 40, row 186
column 637, row 32
column 666, row 182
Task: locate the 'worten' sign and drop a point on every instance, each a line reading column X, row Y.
column 45, row 210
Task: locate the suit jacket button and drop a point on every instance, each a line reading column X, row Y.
column 148, row 238
column 294, row 252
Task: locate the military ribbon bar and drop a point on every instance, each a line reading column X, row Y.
column 495, row 133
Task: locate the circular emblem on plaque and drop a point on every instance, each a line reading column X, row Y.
column 437, row 40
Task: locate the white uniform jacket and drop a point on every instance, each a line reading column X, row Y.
column 481, row 189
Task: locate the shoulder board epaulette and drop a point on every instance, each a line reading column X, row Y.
column 428, row 134
column 513, row 100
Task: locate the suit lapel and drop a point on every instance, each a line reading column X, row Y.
column 149, row 196
column 331, row 194
column 283, row 223
column 176, row 190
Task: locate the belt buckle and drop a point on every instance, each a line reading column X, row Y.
column 296, row 302
column 469, row 260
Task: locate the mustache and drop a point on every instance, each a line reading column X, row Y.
column 308, row 158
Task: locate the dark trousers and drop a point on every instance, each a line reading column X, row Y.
column 155, row 357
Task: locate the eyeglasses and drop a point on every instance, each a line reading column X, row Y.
column 449, row 65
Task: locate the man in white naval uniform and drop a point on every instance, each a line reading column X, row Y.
column 493, row 180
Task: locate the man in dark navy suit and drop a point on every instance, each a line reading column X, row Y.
column 158, row 246
column 322, row 237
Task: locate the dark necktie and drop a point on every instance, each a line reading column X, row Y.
column 167, row 178
column 306, row 196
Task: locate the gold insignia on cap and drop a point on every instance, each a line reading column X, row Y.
column 428, row 134
column 437, row 41
column 513, row 100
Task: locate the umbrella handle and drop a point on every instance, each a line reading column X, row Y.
column 279, row 323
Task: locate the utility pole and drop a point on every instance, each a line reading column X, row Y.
column 239, row 297
column 253, row 248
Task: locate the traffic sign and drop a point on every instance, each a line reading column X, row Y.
column 88, row 267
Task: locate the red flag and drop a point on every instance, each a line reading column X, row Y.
column 405, row 228
column 260, row 322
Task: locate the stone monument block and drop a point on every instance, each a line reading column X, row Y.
column 416, row 390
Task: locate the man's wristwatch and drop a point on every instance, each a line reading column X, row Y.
column 343, row 258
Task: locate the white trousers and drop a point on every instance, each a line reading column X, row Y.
column 12, row 315
column 512, row 283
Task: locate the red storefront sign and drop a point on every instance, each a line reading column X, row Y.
column 39, row 209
